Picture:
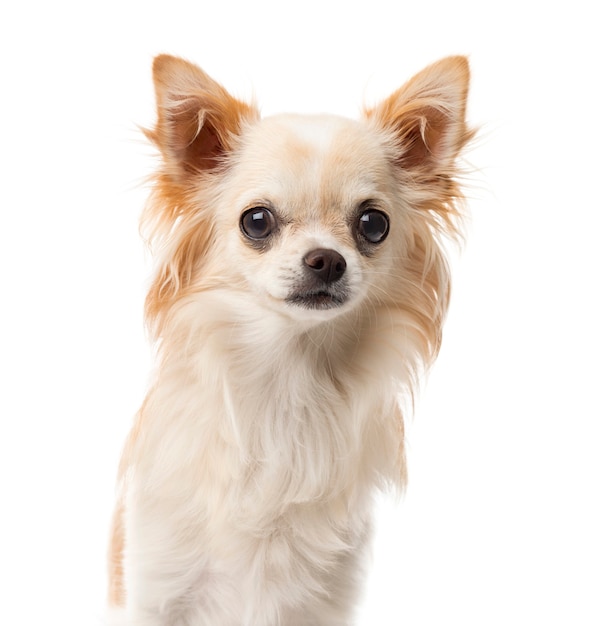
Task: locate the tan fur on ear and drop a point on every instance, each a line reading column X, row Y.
column 427, row 115
column 424, row 121
column 198, row 123
column 197, row 118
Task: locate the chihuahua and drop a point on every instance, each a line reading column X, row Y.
column 299, row 294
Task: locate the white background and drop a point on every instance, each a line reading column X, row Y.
column 507, row 517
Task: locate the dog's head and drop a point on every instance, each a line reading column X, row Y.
column 307, row 212
column 309, row 217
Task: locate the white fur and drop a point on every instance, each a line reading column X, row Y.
column 291, row 463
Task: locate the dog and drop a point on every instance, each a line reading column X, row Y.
column 299, row 294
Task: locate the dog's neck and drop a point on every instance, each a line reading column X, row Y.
column 308, row 403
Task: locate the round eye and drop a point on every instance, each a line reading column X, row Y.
column 258, row 223
column 374, row 226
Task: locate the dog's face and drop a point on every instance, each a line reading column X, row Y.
column 307, row 214
column 308, row 217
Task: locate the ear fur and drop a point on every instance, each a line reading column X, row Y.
column 424, row 123
column 198, row 123
column 426, row 116
column 198, row 119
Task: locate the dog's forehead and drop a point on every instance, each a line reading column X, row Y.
column 321, row 159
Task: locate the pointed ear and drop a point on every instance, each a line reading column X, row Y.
column 197, row 119
column 426, row 116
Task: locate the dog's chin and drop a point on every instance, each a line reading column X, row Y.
column 317, row 305
column 320, row 300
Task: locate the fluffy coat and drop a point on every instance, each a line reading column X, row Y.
column 274, row 413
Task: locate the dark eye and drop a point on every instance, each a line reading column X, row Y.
column 258, row 223
column 373, row 225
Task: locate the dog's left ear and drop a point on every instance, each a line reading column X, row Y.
column 197, row 119
column 426, row 116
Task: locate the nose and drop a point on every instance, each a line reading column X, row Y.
column 327, row 265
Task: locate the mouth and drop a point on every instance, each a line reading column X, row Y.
column 320, row 300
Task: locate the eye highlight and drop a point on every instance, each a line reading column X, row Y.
column 373, row 225
column 258, row 223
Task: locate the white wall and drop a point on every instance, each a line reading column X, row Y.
column 507, row 515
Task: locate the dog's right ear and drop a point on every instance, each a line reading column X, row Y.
column 197, row 119
column 426, row 116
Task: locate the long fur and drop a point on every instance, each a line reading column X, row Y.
column 246, row 485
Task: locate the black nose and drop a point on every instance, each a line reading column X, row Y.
column 327, row 265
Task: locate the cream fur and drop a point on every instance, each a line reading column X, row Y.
column 246, row 487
